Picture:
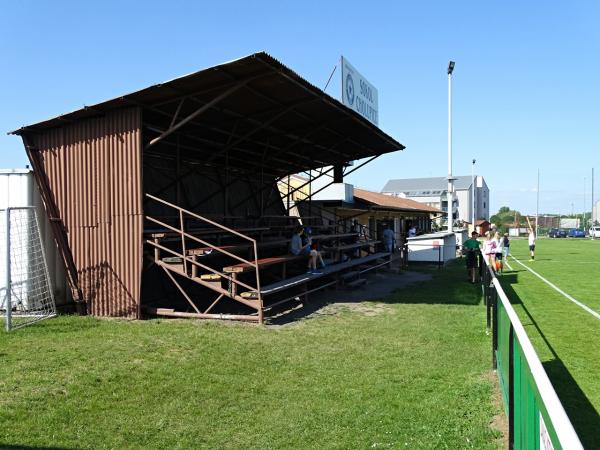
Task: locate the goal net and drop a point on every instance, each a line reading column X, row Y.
column 25, row 292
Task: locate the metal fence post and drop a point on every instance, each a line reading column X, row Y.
column 511, row 388
column 488, row 304
column 494, row 329
column 7, row 299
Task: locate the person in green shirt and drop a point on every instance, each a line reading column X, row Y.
column 470, row 249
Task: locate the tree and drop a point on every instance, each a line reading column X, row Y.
column 505, row 218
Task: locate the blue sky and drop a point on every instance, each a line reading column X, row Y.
column 526, row 86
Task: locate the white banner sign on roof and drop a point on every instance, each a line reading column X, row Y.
column 358, row 94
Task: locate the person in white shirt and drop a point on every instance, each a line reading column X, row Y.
column 532, row 244
column 412, row 231
column 489, row 250
column 499, row 250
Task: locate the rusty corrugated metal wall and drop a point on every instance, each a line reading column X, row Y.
column 94, row 171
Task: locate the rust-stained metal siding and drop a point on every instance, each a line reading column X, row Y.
column 94, row 172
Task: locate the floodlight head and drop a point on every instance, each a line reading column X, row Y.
column 450, row 67
column 473, row 161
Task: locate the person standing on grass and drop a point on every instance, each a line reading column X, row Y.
column 489, row 250
column 499, row 251
column 531, row 244
column 471, row 249
column 388, row 239
column 506, row 246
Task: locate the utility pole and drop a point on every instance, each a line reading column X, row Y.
column 537, row 205
column 584, row 214
column 473, row 194
column 450, row 179
column 593, row 202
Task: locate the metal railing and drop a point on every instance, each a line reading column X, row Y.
column 186, row 236
column 537, row 419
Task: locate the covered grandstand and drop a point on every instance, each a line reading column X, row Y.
column 165, row 201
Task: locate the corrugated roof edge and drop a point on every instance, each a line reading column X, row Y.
column 262, row 56
column 15, row 171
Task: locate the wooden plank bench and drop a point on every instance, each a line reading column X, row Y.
column 263, row 262
column 165, row 233
column 356, row 245
column 305, row 278
column 201, row 251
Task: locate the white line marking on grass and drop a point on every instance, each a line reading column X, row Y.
column 577, row 302
column 571, row 262
column 508, row 265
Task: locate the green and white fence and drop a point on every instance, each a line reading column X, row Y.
column 537, row 419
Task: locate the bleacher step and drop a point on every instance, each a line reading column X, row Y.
column 356, row 283
column 172, row 259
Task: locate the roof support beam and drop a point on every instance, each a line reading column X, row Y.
column 196, row 113
column 279, row 132
column 283, row 163
column 257, row 129
column 176, row 113
column 330, row 183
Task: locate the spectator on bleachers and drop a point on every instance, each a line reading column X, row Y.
column 298, row 248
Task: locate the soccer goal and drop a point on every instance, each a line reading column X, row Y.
column 25, row 293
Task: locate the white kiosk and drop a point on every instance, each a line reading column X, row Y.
column 434, row 247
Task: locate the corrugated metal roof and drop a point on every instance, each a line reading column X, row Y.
column 389, row 201
column 419, row 186
column 291, row 120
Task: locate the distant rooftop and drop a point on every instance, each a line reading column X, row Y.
column 426, row 186
column 387, row 201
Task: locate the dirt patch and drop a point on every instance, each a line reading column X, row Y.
column 365, row 308
column 368, row 299
column 500, row 421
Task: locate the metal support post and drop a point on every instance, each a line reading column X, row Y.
column 7, row 298
column 450, row 179
column 511, row 388
column 488, row 303
column 494, row 329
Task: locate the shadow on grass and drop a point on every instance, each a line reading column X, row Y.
column 581, row 411
column 421, row 285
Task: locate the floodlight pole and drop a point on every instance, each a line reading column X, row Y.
column 473, row 194
column 450, row 179
column 584, row 215
column 537, row 204
column 592, row 218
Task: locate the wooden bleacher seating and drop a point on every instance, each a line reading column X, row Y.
column 202, row 251
column 305, row 278
column 262, row 263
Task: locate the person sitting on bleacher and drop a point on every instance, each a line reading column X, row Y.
column 297, row 248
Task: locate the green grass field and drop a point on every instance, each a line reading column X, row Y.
column 566, row 337
column 411, row 371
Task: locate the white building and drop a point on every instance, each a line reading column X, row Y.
column 596, row 212
column 17, row 188
column 433, row 192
